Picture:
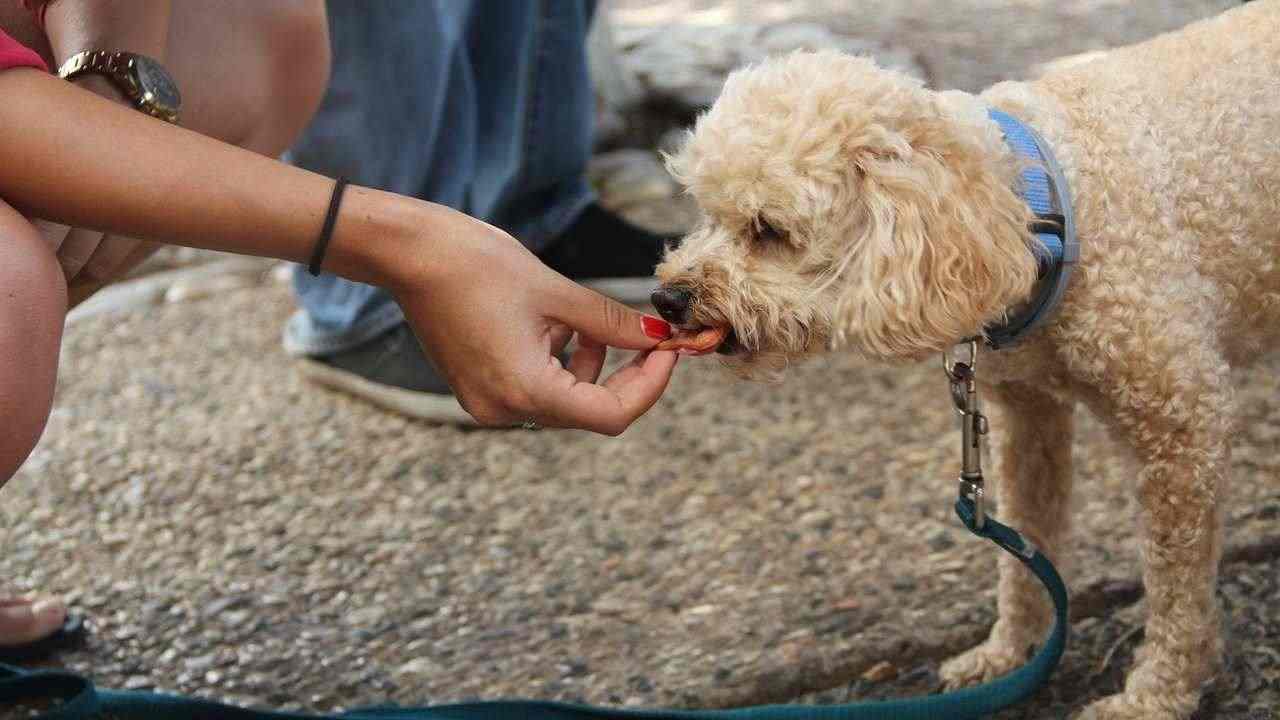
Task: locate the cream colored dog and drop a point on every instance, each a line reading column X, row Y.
column 847, row 207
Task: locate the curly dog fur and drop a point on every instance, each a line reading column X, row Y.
column 846, row 207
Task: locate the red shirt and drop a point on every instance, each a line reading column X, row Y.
column 15, row 54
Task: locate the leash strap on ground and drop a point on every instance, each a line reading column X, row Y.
column 80, row 700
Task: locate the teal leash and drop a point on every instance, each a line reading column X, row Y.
column 80, row 700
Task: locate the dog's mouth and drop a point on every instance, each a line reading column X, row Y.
column 730, row 344
column 702, row 339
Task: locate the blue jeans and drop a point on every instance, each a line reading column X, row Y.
column 482, row 105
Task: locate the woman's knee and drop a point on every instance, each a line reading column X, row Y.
column 33, row 306
column 297, row 41
column 251, row 73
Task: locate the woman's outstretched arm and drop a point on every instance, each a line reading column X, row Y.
column 69, row 156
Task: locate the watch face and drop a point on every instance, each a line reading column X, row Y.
column 156, row 85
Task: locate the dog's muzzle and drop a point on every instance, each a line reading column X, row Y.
column 675, row 302
column 672, row 303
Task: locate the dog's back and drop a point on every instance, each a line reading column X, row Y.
column 1176, row 143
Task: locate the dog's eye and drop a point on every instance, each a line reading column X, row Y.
column 765, row 232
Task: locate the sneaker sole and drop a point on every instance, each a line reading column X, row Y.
column 632, row 291
column 418, row 405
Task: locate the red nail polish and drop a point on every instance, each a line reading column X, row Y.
column 656, row 328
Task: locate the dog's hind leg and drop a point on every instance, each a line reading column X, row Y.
column 1033, row 484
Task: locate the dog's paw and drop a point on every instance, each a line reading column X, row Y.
column 980, row 664
column 1132, row 706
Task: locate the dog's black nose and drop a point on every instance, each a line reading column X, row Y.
column 672, row 303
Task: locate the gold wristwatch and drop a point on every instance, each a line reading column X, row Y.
column 143, row 80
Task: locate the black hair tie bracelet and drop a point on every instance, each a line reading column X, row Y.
column 326, row 232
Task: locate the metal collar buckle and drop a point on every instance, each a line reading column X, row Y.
column 973, row 425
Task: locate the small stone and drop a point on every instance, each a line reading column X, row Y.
column 819, row 519
column 418, row 668
column 616, row 606
column 640, row 683
column 236, row 618
column 200, row 663
column 198, row 288
column 366, row 616
column 138, row 682
column 221, row 605
column 880, row 672
column 941, row 540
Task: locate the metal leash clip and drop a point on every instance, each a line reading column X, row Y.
column 973, row 425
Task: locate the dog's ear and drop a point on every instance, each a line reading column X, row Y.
column 937, row 247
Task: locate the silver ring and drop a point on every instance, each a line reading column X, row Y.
column 530, row 425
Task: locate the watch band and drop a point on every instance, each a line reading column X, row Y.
column 118, row 67
column 94, row 61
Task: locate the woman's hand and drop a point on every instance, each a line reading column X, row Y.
column 90, row 259
column 494, row 318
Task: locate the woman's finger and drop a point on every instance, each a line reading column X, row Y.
column 109, row 258
column 54, row 233
column 587, row 360
column 76, row 250
column 610, row 408
column 560, row 337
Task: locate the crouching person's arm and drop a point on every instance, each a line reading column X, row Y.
column 494, row 314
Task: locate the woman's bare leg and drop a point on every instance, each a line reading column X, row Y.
column 33, row 302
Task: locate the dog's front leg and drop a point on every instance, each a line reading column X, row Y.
column 1033, row 486
column 1181, row 434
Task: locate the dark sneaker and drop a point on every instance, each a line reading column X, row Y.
column 390, row 371
column 605, row 252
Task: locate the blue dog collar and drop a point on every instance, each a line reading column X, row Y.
column 1045, row 190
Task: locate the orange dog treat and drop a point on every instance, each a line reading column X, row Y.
column 697, row 342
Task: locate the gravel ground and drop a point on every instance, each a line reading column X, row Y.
column 280, row 545
column 1101, row 650
column 237, row 534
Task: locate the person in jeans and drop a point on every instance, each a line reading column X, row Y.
column 485, row 107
